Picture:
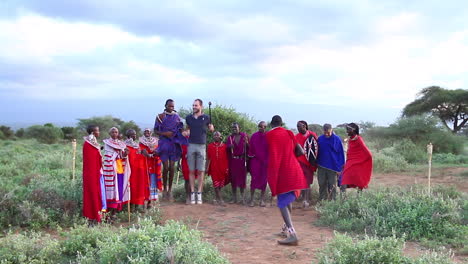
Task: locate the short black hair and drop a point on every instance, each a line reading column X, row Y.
column 90, row 129
column 130, row 131
column 168, row 101
column 200, row 101
column 354, row 127
column 276, row 121
column 305, row 123
column 235, row 124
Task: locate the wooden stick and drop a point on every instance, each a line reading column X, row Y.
column 429, row 152
column 74, row 158
column 178, row 171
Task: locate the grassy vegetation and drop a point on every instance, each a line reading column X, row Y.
column 374, row 250
column 145, row 242
column 439, row 219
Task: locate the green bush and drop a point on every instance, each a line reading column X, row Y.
column 373, row 250
column 105, row 123
column 145, row 242
column 47, row 134
column 410, row 151
column 402, row 211
column 420, row 130
column 449, row 158
column 388, row 160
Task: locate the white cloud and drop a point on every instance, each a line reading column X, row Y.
column 386, row 71
column 34, row 36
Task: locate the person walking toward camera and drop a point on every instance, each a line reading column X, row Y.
column 330, row 162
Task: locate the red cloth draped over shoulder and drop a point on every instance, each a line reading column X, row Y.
column 358, row 168
column 284, row 171
column 92, row 164
column 139, row 181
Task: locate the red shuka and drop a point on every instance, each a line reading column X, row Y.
column 308, row 169
column 139, row 181
column 92, row 164
column 284, row 171
column 152, row 165
column 358, row 168
column 219, row 165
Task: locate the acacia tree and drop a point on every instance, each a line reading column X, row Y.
column 450, row 106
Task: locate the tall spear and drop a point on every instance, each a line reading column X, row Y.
column 74, row 158
column 209, row 112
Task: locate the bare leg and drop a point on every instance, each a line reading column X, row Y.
column 192, row 180
column 171, row 179
column 252, row 193
column 262, row 199
column 242, row 200
column 201, row 178
column 187, row 191
column 291, row 240
column 234, row 195
column 164, row 176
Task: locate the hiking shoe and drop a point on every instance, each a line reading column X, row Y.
column 199, row 198
column 262, row 203
column 252, row 203
column 192, row 198
column 305, row 204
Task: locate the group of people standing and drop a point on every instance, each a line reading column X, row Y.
column 136, row 173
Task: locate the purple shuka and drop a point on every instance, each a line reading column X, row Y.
column 170, row 148
column 237, row 160
column 258, row 149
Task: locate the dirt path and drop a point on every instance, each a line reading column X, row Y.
column 446, row 176
column 246, row 235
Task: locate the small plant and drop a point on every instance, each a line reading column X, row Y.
column 405, row 212
column 374, row 250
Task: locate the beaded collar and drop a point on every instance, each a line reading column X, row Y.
column 131, row 143
column 150, row 142
column 91, row 139
column 115, row 143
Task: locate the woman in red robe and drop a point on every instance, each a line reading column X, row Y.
column 139, row 182
column 93, row 203
column 218, row 165
column 148, row 145
column 358, row 167
column 285, row 176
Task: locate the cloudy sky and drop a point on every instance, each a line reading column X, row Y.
column 322, row 61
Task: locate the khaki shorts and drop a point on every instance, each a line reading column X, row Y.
column 196, row 157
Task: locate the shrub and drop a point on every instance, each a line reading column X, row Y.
column 47, row 134
column 388, row 160
column 410, row 151
column 373, row 250
column 145, row 242
column 6, row 132
column 401, row 211
column 449, row 158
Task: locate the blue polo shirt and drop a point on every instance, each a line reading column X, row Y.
column 198, row 127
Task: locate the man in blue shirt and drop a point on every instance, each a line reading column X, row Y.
column 197, row 125
column 330, row 162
